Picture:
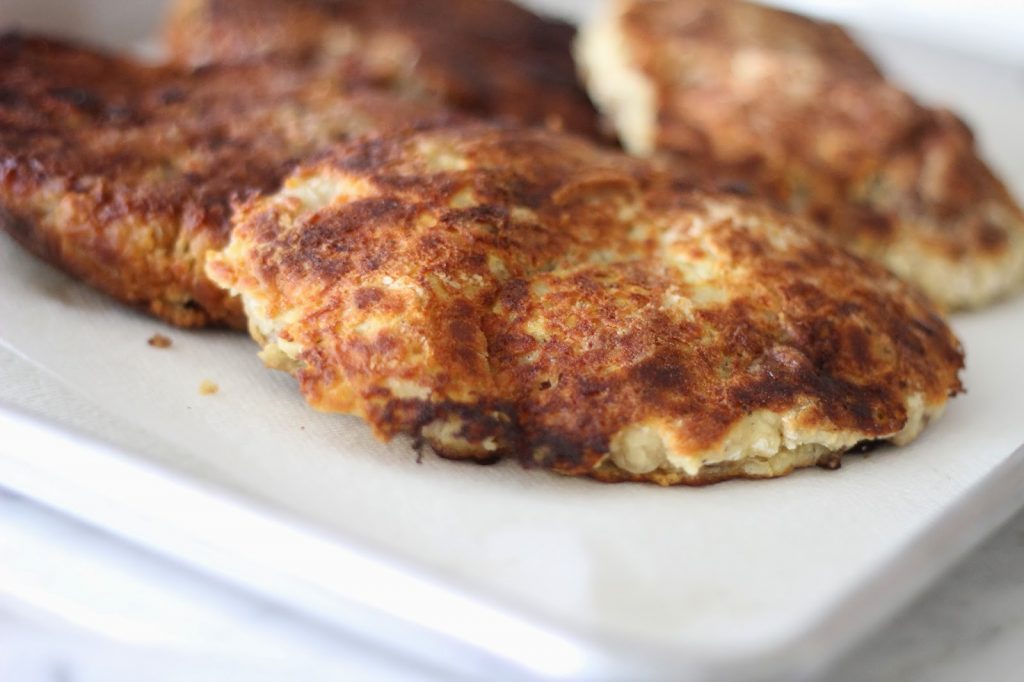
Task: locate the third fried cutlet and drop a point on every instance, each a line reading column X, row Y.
column 798, row 111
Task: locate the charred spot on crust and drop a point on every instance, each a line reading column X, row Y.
column 11, row 40
column 866, row 446
column 370, row 154
column 663, row 372
column 832, row 461
column 172, row 95
column 19, row 228
column 367, row 296
column 739, row 187
column 992, row 237
column 10, row 97
column 514, row 293
column 80, row 98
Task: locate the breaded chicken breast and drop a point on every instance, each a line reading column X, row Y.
column 797, row 111
column 496, row 291
column 490, row 57
column 123, row 174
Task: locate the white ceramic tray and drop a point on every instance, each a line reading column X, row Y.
column 505, row 571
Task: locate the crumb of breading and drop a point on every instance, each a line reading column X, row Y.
column 207, row 387
column 159, row 341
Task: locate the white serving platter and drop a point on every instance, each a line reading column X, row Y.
column 503, row 571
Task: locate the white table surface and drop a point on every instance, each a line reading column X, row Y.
column 78, row 605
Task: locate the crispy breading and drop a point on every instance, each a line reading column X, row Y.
column 497, row 291
column 490, row 57
column 795, row 109
column 123, row 174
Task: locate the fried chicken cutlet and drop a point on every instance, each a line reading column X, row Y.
column 795, row 109
column 491, row 58
column 123, row 174
column 497, row 291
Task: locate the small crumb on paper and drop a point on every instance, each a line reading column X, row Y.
column 207, row 387
column 159, row 341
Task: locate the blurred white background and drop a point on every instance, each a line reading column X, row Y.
column 988, row 28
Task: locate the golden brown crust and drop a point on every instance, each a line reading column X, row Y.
column 123, row 174
column 795, row 109
column 505, row 291
column 489, row 57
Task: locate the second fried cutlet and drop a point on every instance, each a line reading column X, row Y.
column 123, row 174
column 489, row 57
column 798, row 111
